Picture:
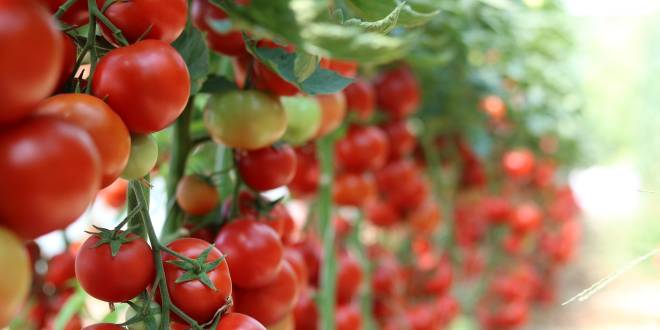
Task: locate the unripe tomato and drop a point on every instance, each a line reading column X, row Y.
column 345, row 68
column 196, row 196
column 360, row 98
column 229, row 43
column 147, row 83
column 50, row 172
column 518, row 163
column 402, row 140
column 76, row 15
column 303, row 118
column 31, row 57
column 364, row 148
column 349, row 277
column 267, row 168
column 146, row 19
column 333, row 111
column 351, row 189
column 104, row 326
column 143, row 157
column 397, row 92
column 108, row 132
column 16, row 276
column 245, row 119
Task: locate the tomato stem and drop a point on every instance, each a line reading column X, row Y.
column 326, row 299
column 366, row 298
column 64, row 7
column 116, row 32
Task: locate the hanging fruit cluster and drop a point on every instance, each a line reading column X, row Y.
column 326, row 166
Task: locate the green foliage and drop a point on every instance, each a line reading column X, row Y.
column 192, row 47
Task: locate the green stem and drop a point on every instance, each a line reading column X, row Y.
column 366, row 298
column 326, row 301
column 135, row 224
column 116, row 32
column 64, row 7
column 91, row 44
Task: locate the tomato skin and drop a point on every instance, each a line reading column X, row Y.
column 245, row 119
column 157, row 71
column 267, row 80
column 345, row 68
column 311, row 251
column 397, row 92
column 254, row 252
column 23, row 86
column 307, row 175
column 104, row 326
column 115, row 194
column 164, row 21
column 70, row 53
column 230, row 43
column 441, row 281
column 333, row 111
column 54, row 185
column 76, row 15
column 360, row 98
column 196, row 196
column 525, row 218
column 303, row 114
column 142, row 158
column 425, row 218
column 390, row 177
column 105, row 127
column 349, row 277
column 267, row 168
column 518, row 163
column 348, row 317
column 270, row 303
column 61, row 269
column 17, row 275
column 306, row 314
column 493, row 106
column 353, row 189
column 401, row 139
column 382, row 214
column 298, row 264
column 364, row 148
column 193, row 297
column 238, row 321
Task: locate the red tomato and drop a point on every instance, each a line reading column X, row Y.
column 75, row 323
column 386, row 280
column 518, row 163
column 270, row 303
column 425, row 218
column 266, row 79
column 348, row 317
column 254, row 252
column 147, row 19
column 115, row 194
column 493, row 106
column 76, row 15
column 193, row 297
column 310, row 248
column 153, row 68
column 116, row 278
column 410, row 195
column 68, row 59
column 229, row 43
column 50, row 172
column 349, row 277
column 31, row 59
column 544, row 174
column 360, row 98
column 305, row 312
column 422, row 317
column 526, row 217
column 61, row 270
column 104, row 326
column 394, row 174
column 107, row 130
column 350, row 189
column 402, row 140
column 441, row 280
column 267, row 168
column 397, row 92
column 364, row 148
column 308, row 173
column 297, row 262
column 238, row 321
column 241, row 65
column 196, row 196
column 496, row 209
column 382, row 214
column 447, row 307
column 345, row 68
column 333, row 111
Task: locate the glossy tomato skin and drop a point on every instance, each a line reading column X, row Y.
column 349, row 277
column 267, row 168
column 364, row 148
column 76, row 15
column 61, row 270
column 297, row 262
column 157, row 71
column 50, row 171
column 142, row 158
column 229, row 43
column 115, row 194
column 149, row 19
column 116, row 278
column 518, row 163
column 28, row 75
column 345, row 68
column 104, row 326
column 360, row 98
column 196, row 196
column 254, row 252
column 238, row 321
column 303, row 114
column 526, row 217
column 193, row 297
column 308, row 172
column 17, row 275
column 353, row 189
column 397, row 92
column 333, row 111
column 382, row 214
column 105, row 127
column 305, row 313
column 400, row 137
column 245, row 119
column 68, row 59
column 270, row 303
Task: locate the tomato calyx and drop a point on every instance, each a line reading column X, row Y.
column 196, row 269
column 115, row 238
column 143, row 313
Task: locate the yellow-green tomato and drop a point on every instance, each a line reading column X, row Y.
column 16, row 276
column 144, row 154
column 245, row 119
column 304, row 118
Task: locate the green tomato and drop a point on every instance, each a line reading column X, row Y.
column 304, row 118
column 245, row 119
column 144, row 154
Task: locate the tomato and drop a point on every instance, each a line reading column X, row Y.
column 496, row 209
column 28, row 75
column 115, row 194
column 115, row 278
column 147, row 19
column 351, row 189
column 286, row 323
column 425, row 218
column 349, row 277
column 526, row 217
column 397, row 92
column 245, row 119
column 305, row 312
column 308, row 172
column 360, row 98
column 364, row 148
column 493, row 106
column 310, row 249
column 262, row 210
column 270, row 303
column 76, row 15
column 518, row 163
column 108, row 132
column 394, row 174
column 410, row 195
column 333, row 111
column 238, row 321
column 345, row 68
column 193, row 297
column 147, row 83
column 50, row 172
column 441, row 280
column 544, row 174
column 303, row 118
column 61, row 270
column 196, row 195
column 510, row 315
column 402, row 140
column 75, row 323
column 104, row 326
column 386, row 280
column 447, row 307
column 229, row 43
column 143, row 157
column 16, row 276
column 68, row 59
column 267, row 168
column 241, row 65
column 254, row 252
column 268, row 80
column 348, row 317
column 297, row 262
column 422, row 317
column 382, row 214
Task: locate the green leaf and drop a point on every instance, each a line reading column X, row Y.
column 384, row 25
column 72, row 306
column 304, row 65
column 192, row 47
column 217, row 84
column 372, row 10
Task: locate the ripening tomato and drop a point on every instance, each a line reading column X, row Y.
column 254, row 252
column 518, row 163
column 156, row 70
column 16, row 276
column 70, row 53
column 31, row 59
column 61, row 270
column 493, row 106
column 50, row 172
column 297, row 262
column 104, row 326
column 142, row 158
column 360, row 98
column 526, row 217
column 348, row 317
column 146, row 19
column 76, row 15
column 364, row 148
column 349, row 277
column 228, row 43
column 308, row 172
column 238, row 321
column 108, row 132
column 305, row 313
column 397, row 92
column 267, row 168
column 544, row 174
column 346, row 68
column 303, row 114
column 350, row 189
column 196, row 195
column 245, row 119
column 333, row 111
column 402, row 140
column 382, row 214
column 193, row 297
column 270, row 303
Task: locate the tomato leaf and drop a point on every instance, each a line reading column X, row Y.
column 217, row 84
column 375, row 9
column 304, row 65
column 192, row 47
column 384, row 25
